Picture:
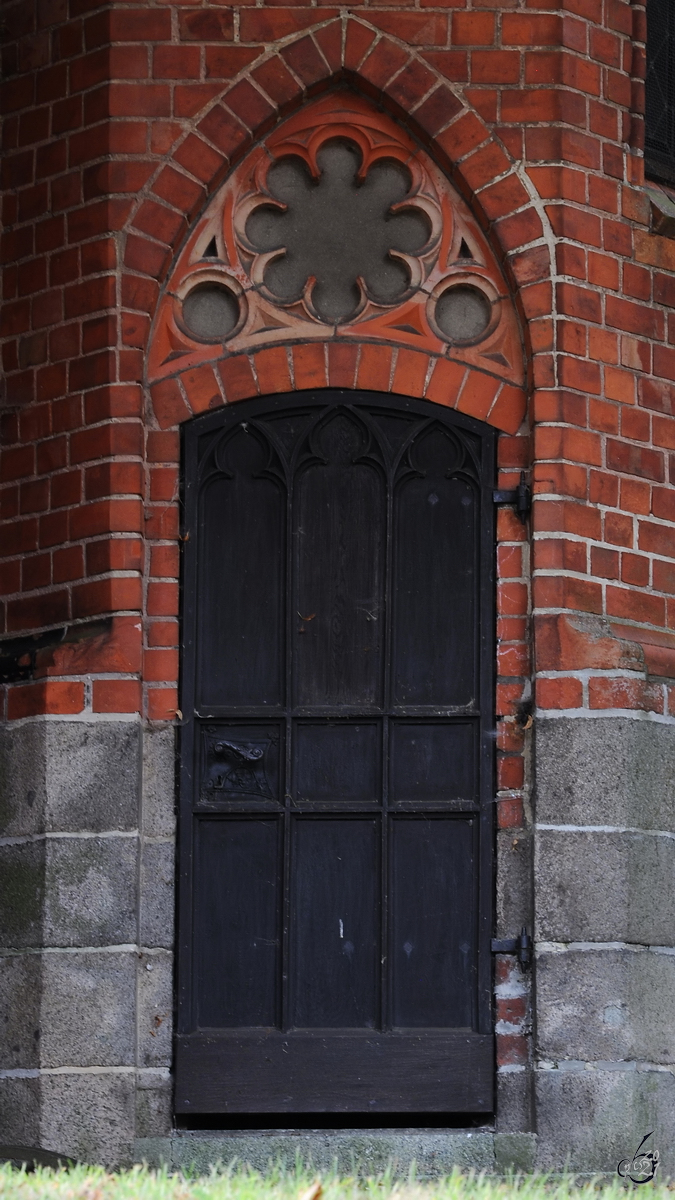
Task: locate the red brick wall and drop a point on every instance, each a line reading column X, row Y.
column 121, row 119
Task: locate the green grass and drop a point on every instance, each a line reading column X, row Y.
column 139, row 1183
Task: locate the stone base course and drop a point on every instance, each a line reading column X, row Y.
column 424, row 1153
column 86, row 912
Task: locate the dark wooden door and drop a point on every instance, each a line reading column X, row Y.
column 336, row 846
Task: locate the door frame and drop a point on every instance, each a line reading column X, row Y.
column 190, row 1062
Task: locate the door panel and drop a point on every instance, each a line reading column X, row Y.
column 238, row 934
column 434, row 594
column 338, row 576
column 342, row 1072
column 243, row 526
column 336, row 760
column 434, row 762
column 433, row 940
column 335, row 923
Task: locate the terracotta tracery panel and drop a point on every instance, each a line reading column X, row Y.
column 337, row 226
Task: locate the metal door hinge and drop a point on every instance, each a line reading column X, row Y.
column 520, row 497
column 522, row 946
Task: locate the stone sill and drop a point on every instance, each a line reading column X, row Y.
column 363, row 1152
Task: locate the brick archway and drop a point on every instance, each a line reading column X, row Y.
column 366, row 365
column 419, row 96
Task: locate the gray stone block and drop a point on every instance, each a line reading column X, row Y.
column 20, row 1111
column 93, row 775
column 515, row 1102
column 22, row 888
column 90, row 891
column 514, row 882
column 590, row 1120
column 20, row 991
column 88, row 1010
column 360, row 1152
column 154, row 1151
column 89, row 1116
column 606, row 771
column 159, row 780
column 606, row 1005
column 69, row 776
column 515, row 1152
column 22, row 778
column 155, row 1009
column 605, row 887
column 154, row 1116
column 157, row 894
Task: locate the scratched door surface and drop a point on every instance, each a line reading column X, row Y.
column 336, row 855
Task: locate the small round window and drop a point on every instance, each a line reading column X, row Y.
column 211, row 312
column 463, row 313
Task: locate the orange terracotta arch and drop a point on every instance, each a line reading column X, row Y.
column 387, row 347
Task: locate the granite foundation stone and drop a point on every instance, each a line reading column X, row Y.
column 605, row 887
column 158, row 872
column 20, row 1110
column 91, row 891
column 606, row 1004
column 605, row 771
column 88, row 1010
column 20, row 1027
column 89, row 1116
column 591, row 1119
column 155, row 1008
column 424, row 1153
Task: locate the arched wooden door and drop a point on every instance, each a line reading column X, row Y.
column 337, row 759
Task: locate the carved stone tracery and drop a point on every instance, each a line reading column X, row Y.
column 239, row 276
column 337, row 225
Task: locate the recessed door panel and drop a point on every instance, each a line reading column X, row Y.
column 339, row 515
column 338, row 762
column 242, row 569
column 335, row 923
column 434, row 762
column 336, row 757
column 238, row 935
column 434, row 593
column 433, row 935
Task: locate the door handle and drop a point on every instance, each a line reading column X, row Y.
column 245, row 754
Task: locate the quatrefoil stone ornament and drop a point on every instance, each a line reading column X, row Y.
column 337, row 226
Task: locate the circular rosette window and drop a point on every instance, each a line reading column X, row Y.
column 210, row 308
column 464, row 310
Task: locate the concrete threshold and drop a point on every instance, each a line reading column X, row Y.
column 421, row 1153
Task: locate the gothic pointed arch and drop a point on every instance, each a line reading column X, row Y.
column 336, row 233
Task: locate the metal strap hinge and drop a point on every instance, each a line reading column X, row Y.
column 520, row 497
column 522, row 946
